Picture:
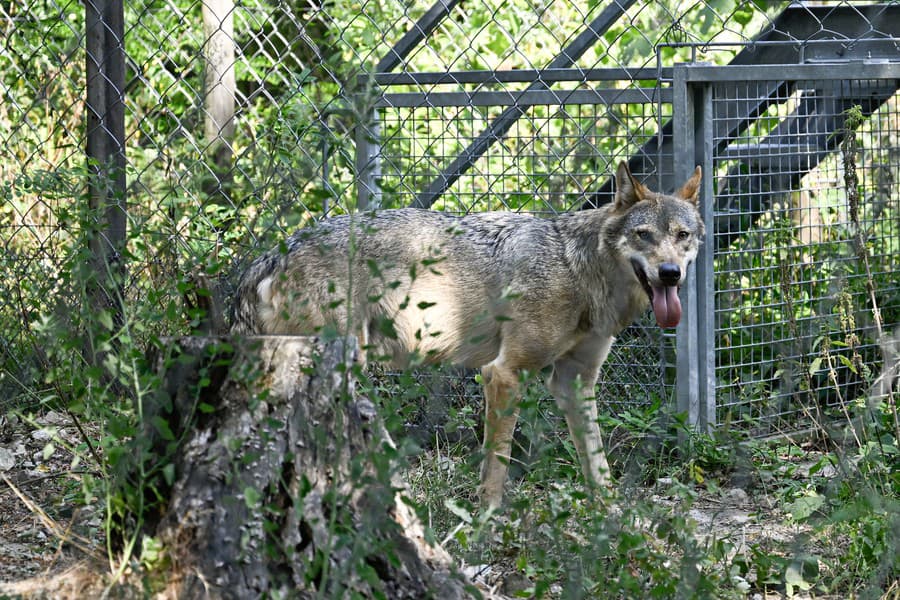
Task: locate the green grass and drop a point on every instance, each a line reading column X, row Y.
column 819, row 520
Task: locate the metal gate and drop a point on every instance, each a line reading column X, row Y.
column 797, row 281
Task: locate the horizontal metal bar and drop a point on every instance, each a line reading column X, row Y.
column 775, row 43
column 519, row 76
column 526, row 98
column 764, row 149
column 744, row 73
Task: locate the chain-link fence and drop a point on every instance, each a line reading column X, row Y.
column 245, row 120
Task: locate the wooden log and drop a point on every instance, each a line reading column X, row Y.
column 284, row 481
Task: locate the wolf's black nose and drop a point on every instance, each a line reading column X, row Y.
column 669, row 274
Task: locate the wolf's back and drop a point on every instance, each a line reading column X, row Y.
column 477, row 252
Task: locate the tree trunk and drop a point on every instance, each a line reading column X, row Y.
column 219, row 92
column 285, row 481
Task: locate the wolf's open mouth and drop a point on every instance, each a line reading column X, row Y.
column 664, row 299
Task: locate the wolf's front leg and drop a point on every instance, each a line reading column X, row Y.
column 572, row 384
column 501, row 391
column 581, row 416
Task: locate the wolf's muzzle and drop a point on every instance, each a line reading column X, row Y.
column 669, row 274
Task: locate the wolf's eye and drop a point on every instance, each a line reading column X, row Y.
column 682, row 235
column 644, row 235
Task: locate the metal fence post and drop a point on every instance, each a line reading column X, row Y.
column 695, row 360
column 368, row 163
column 705, row 267
column 219, row 93
column 105, row 58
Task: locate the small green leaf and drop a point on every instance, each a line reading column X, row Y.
column 743, row 16
column 793, row 576
column 847, row 363
column 386, row 328
column 804, row 506
column 461, row 538
column 373, row 268
column 105, row 319
column 458, row 510
column 162, row 427
column 820, row 464
column 168, row 472
column 252, row 497
column 151, row 551
column 49, row 449
column 815, row 365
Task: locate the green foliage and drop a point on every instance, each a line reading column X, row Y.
column 294, row 160
column 841, row 505
column 863, row 509
column 563, row 543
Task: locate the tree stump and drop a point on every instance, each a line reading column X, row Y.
column 278, row 480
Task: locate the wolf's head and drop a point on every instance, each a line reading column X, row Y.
column 659, row 235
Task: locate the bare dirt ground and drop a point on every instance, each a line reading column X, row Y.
column 40, row 481
column 37, row 495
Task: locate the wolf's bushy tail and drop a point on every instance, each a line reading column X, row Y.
column 245, row 309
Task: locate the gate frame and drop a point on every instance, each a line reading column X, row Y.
column 692, row 113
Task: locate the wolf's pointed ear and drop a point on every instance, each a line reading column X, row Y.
column 628, row 189
column 691, row 188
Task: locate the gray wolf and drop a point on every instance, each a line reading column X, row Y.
column 509, row 293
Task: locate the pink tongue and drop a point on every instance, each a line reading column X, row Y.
column 666, row 306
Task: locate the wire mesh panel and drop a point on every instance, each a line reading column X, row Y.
column 41, row 171
column 805, row 259
column 552, row 157
column 555, row 155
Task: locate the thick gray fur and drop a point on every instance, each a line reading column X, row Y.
column 509, row 293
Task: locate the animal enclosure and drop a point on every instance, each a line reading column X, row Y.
column 782, row 281
column 464, row 108
column 150, row 150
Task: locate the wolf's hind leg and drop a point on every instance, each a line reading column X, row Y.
column 572, row 384
column 501, row 391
